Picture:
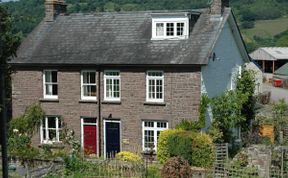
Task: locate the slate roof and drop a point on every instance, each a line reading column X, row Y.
column 117, row 38
column 270, row 53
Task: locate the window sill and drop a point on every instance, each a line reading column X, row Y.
column 88, row 101
column 155, row 103
column 52, row 145
column 111, row 102
column 49, row 100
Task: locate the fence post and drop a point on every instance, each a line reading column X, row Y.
column 282, row 162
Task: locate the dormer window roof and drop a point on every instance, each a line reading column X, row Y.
column 170, row 26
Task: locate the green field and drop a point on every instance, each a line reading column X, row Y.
column 266, row 28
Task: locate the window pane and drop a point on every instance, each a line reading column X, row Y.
column 149, row 139
column 92, row 77
column 89, row 120
column 51, row 122
column 48, row 89
column 85, row 77
column 148, row 124
column 44, row 133
column 54, row 76
column 48, row 76
column 54, row 89
column 160, row 29
column 161, row 124
column 93, row 91
column 52, row 135
column 180, row 29
column 170, row 29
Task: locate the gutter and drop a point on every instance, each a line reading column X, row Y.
column 99, row 124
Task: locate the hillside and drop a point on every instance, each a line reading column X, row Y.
column 261, row 21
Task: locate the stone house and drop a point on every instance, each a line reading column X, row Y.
column 119, row 79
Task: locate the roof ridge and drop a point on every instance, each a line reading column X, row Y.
column 138, row 12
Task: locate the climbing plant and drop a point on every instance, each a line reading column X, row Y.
column 29, row 122
column 196, row 125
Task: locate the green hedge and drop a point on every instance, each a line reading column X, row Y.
column 196, row 148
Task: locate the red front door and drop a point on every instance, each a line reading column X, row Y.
column 90, row 139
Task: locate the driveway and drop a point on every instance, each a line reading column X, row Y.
column 276, row 93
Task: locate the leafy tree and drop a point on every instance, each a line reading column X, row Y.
column 8, row 46
column 227, row 113
column 246, row 85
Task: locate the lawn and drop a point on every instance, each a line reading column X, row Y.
column 266, row 28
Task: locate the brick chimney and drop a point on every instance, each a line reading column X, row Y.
column 53, row 8
column 217, row 6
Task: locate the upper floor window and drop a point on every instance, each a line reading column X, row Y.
column 88, row 85
column 50, row 84
column 155, row 86
column 112, row 85
column 50, row 130
column 170, row 28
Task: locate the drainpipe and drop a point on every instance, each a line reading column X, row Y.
column 3, row 112
column 99, row 111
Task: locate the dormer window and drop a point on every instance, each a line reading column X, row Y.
column 170, row 28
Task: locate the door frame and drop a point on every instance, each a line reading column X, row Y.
column 82, row 133
column 120, row 133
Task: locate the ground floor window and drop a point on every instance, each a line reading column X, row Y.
column 151, row 131
column 50, row 130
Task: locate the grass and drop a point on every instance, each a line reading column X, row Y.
column 266, row 28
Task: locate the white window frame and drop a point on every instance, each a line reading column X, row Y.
column 105, row 87
column 83, row 123
column 234, row 75
column 93, row 98
column 184, row 20
column 147, row 86
column 46, row 96
column 155, row 129
column 46, row 140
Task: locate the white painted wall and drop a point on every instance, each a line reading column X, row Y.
column 217, row 75
column 258, row 76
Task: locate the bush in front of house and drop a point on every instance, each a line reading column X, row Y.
column 162, row 148
column 196, row 148
column 128, row 156
column 176, row 167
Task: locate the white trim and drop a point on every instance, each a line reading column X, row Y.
column 120, row 135
column 57, row 129
column 113, row 78
column 89, row 98
column 174, row 20
column 82, row 133
column 147, row 86
column 155, row 129
column 44, row 84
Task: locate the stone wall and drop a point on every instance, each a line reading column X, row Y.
column 181, row 100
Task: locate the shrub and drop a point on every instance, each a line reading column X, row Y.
column 196, row 148
column 202, row 151
column 29, row 122
column 176, row 167
column 162, row 149
column 128, row 156
column 180, row 144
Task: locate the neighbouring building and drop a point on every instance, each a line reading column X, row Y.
column 119, row 79
column 258, row 76
column 270, row 59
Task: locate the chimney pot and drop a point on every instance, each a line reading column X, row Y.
column 53, row 8
column 217, row 6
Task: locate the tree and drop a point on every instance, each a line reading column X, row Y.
column 8, row 46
